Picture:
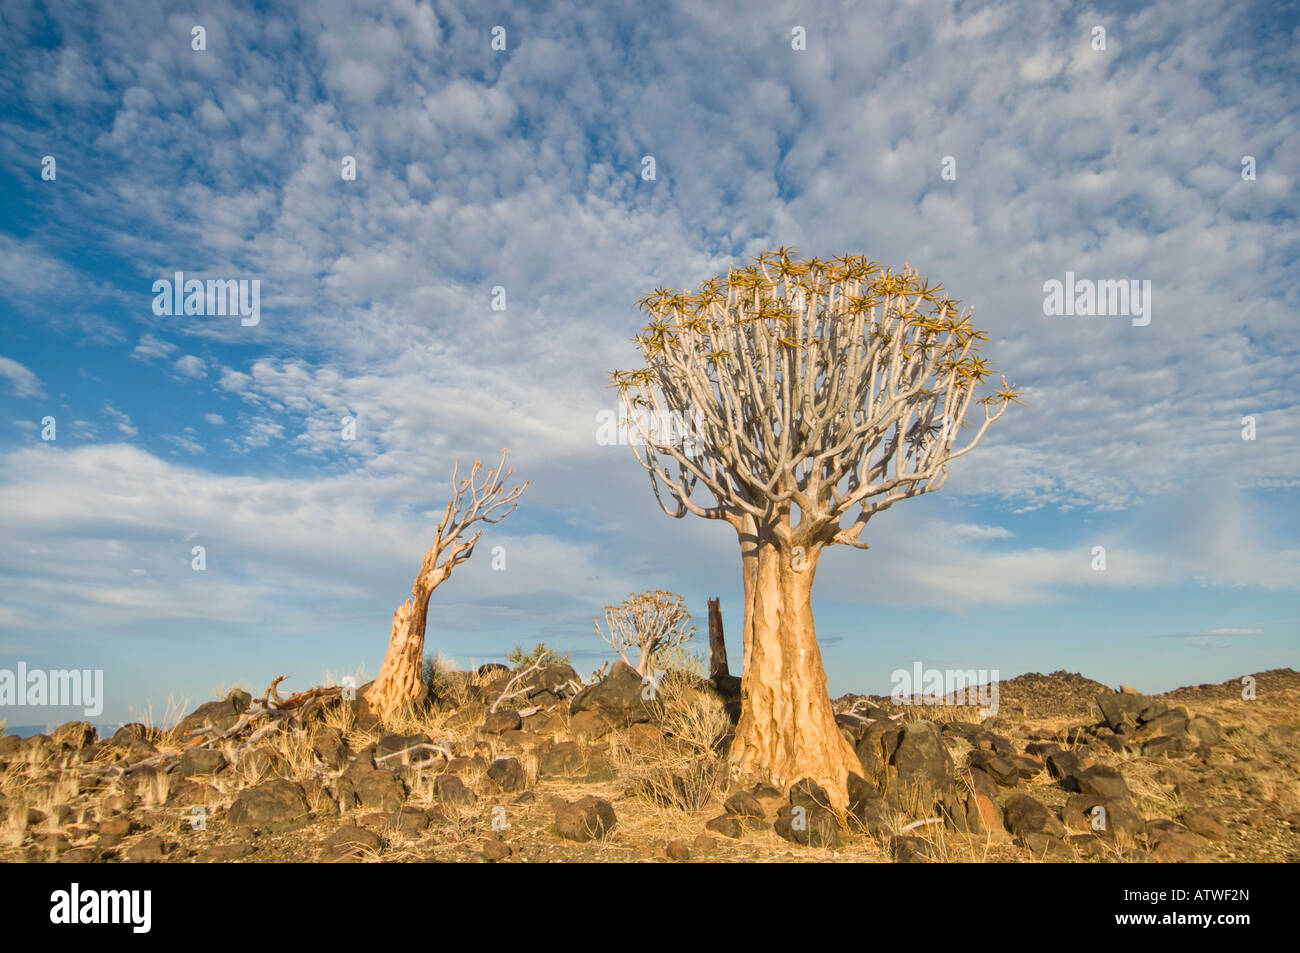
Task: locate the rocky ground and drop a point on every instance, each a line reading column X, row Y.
column 534, row 766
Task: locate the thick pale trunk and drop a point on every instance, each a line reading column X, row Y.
column 787, row 728
column 401, row 677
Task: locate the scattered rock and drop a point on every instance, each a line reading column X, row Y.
column 744, row 804
column 500, row 721
column 269, row 804
column 351, row 843
column 451, row 790
column 508, row 775
column 589, row 725
column 618, row 695
column 198, row 761
column 810, row 826
column 1046, row 847
column 726, row 825
column 913, row 850
column 586, row 819
column 148, row 850
column 1104, row 780
column 925, row 769
column 1022, row 814
column 1205, row 824
column 75, row 735
column 378, row 789
column 1097, row 814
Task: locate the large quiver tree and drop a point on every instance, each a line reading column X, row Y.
column 796, row 399
column 400, row 680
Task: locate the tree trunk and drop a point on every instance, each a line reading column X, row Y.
column 401, row 677
column 787, row 728
column 717, row 643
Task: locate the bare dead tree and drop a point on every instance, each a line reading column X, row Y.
column 645, row 625
column 399, row 682
column 796, row 399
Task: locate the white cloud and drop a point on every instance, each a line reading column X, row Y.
column 22, row 380
column 152, row 348
column 191, row 366
column 122, row 420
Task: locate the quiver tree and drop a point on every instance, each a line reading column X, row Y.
column 644, row 626
column 818, row 394
column 400, row 682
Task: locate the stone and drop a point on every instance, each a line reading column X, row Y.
column 351, row 843
column 1104, row 780
column 982, row 782
column 726, row 825
column 391, row 744
column 1046, row 847
column 1116, row 816
column 586, row 819
column 618, row 696
column 924, row 767
column 1177, row 847
column 551, row 678
column 807, row 793
column 75, row 735
column 224, row 853
column 983, row 816
column 508, row 775
column 378, row 789
column 409, row 821
column 678, row 850
column 1205, row 824
column 1063, row 764
column 198, row 761
column 744, row 804
column 494, row 850
column 868, row 811
column 1120, row 711
column 329, row 745
column 1001, row 770
column 1172, row 724
column 907, row 849
column 499, row 721
column 451, row 790
column 188, row 793
column 1205, row 729
column 148, row 850
column 809, row 826
column 222, row 715
column 589, row 725
column 1022, row 814
column 644, row 737
column 269, row 804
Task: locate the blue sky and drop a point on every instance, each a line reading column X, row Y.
column 522, row 169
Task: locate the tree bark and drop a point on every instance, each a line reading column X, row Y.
column 717, row 643
column 401, row 677
column 787, row 728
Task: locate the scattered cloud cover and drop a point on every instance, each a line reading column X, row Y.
column 519, row 175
